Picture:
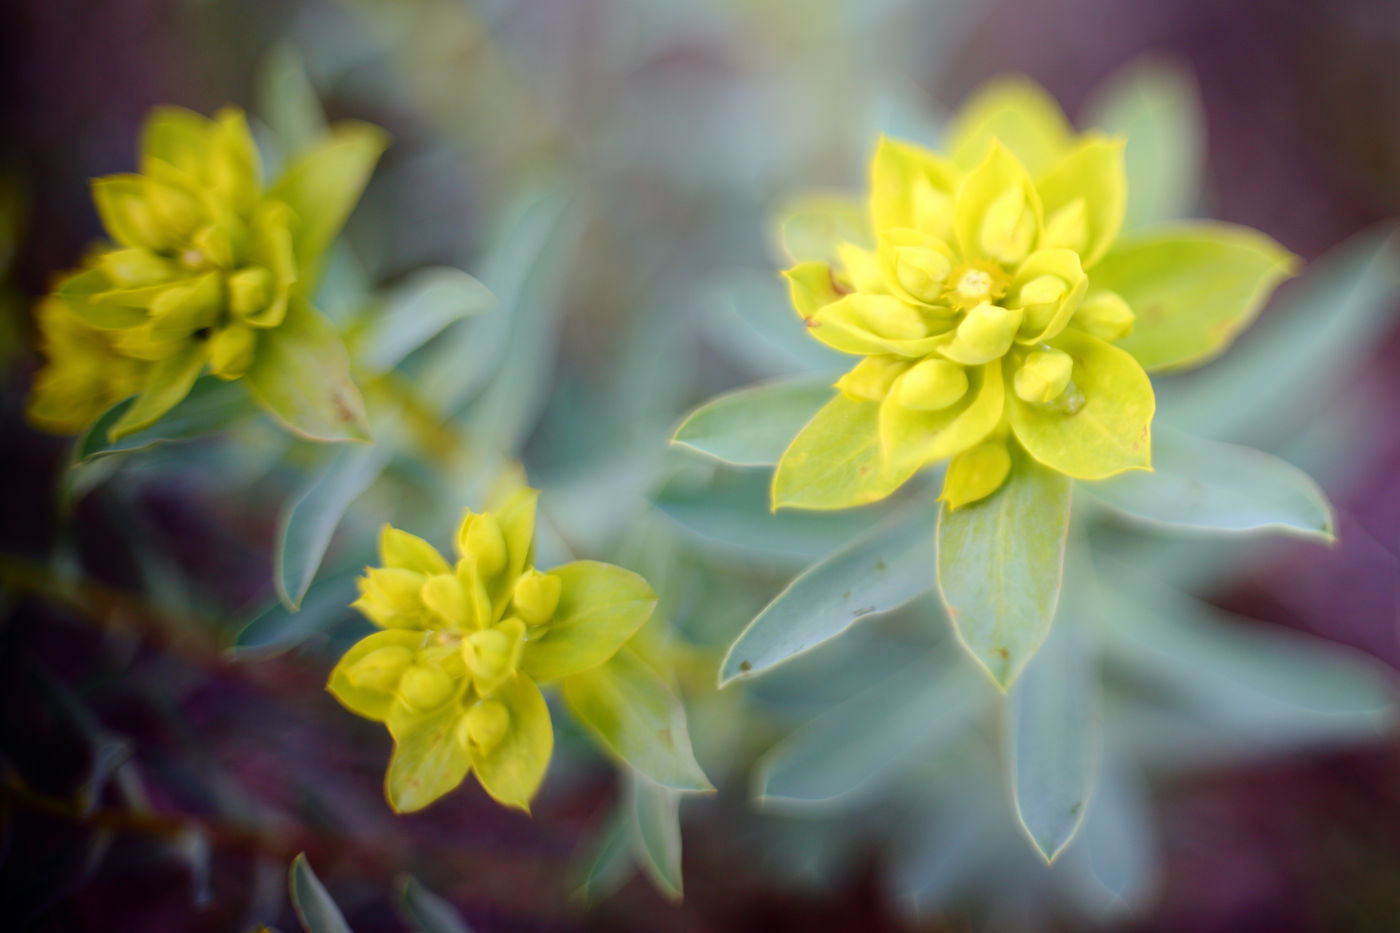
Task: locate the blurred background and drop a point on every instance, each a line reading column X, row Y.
column 158, row 778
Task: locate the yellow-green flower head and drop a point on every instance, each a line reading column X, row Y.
column 86, row 375
column 205, row 260
column 454, row 671
column 974, row 299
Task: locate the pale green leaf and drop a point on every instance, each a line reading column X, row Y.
column 1193, row 288
column 417, row 310
column 1018, row 113
column 636, row 716
column 655, row 830
column 812, row 226
column 1054, row 728
column 754, row 425
column 288, row 102
column 313, row 904
column 301, row 376
column 600, row 607
column 1119, row 835
column 279, row 629
column 1000, row 562
column 308, row 523
column 864, row 741
column 426, row 912
column 836, row 460
column 1197, row 483
column 880, row 571
column 211, row 405
column 610, row 862
column 167, row 383
column 429, row 760
column 1155, row 108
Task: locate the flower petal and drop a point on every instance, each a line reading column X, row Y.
column 511, row 771
column 1084, row 197
column 1019, row 113
column 910, row 187
column 997, row 212
column 429, row 758
column 357, row 694
column 836, row 461
column 913, row 439
column 1110, row 432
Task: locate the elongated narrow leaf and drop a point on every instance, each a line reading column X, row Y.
column 309, row 522
column 1054, row 728
column 425, row 912
column 278, row 629
column 313, row 904
column 865, row 740
column 323, row 184
column 636, row 716
column 1000, row 563
column 417, row 310
column 289, row 103
column 1198, row 483
column 880, row 571
column 301, row 376
column 1155, row 108
column 655, row 830
column 211, row 405
column 1120, row 836
column 753, row 426
column 609, row 863
column 167, row 384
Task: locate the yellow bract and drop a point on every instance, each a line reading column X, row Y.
column 979, row 316
column 453, row 672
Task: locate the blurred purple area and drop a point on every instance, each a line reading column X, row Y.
column 1303, row 111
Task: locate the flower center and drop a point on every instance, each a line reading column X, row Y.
column 974, row 284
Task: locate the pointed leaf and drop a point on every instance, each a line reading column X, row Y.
column 289, row 102
column 417, row 310
column 1197, row 483
column 656, row 833
column 635, row 715
column 754, row 425
column 1000, row 563
column 600, row 607
column 313, row 904
column 280, row 629
column 211, row 405
column 812, row 226
column 1018, row 113
column 1193, row 288
column 425, row 912
column 879, row 571
column 167, row 383
column 301, row 375
column 836, row 460
column 429, row 760
column 322, row 185
column 308, row 523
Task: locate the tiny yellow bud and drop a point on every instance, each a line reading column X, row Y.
column 231, row 350
column 984, row 334
column 249, row 290
column 975, row 474
column 392, row 597
column 921, row 271
column 1008, row 227
column 425, row 688
column 381, row 669
column 1105, row 315
column 871, row 378
column 1043, row 289
column 214, row 245
column 484, row 726
column 536, row 596
column 443, row 594
column 481, row 539
column 134, row 268
column 932, row 385
column 1044, row 375
column 488, row 656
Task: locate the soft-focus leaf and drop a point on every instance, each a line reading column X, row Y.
column 289, row 103
column 301, row 375
column 308, row 523
column 880, row 571
column 1307, row 344
column 279, row 629
column 635, row 715
column 370, row 700
column 314, row 907
column 655, row 829
column 812, row 226
column 836, row 460
column 1192, row 287
column 425, row 912
column 1120, row 836
column 754, row 425
column 1000, row 563
column 610, row 861
column 511, row 772
column 428, row 759
column 1018, row 113
column 1155, row 108
column 167, row 383
column 600, row 607
column 752, row 323
column 1053, row 727
column 211, row 405
column 1197, row 483
column 323, row 184
column 866, row 739
column 417, row 310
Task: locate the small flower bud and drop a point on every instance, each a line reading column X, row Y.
column 481, row 539
column 1105, row 315
column 381, row 669
column 1008, row 227
column 536, row 597
column 443, row 594
column 484, row 725
column 932, row 385
column 231, row 350
column 871, row 378
column 424, row 688
column 984, row 334
column 1043, row 376
column 174, row 211
column 492, row 653
column 249, row 290
column 975, row 474
column 214, row 245
column 392, row 597
column 921, row 271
